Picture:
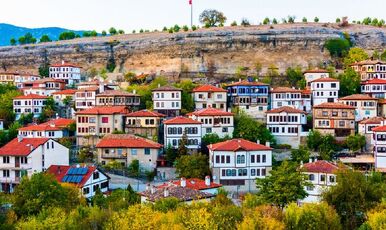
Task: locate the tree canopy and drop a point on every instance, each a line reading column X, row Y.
column 212, row 18
column 192, row 166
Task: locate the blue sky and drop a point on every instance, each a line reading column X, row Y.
column 154, row 14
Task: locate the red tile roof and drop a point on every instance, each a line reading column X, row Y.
column 145, row 113
column 65, row 92
column 167, row 88
column 181, row 120
column 316, row 71
column 52, row 125
column 333, row 105
column 23, row 148
column 44, row 80
column 247, row 83
column 286, row 109
column 193, row 183
column 358, row 97
column 208, row 88
column 285, row 90
column 31, row 96
column 238, row 144
column 104, row 110
column 321, row 166
column 210, row 112
column 382, row 101
column 65, row 65
column 181, row 193
column 115, row 93
column 380, row 129
column 60, row 171
column 372, row 120
column 126, row 141
column 368, row 62
column 91, row 88
column 374, row 81
column 325, row 79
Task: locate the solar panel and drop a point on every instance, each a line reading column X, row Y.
column 79, row 179
column 64, row 179
column 76, row 171
column 84, row 171
column 70, row 171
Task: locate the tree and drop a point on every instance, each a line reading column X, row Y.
column 13, row 130
column 212, row 18
column 85, row 154
column 304, row 20
column 234, row 23
column 366, row 21
column 376, row 218
column 266, row 21
column 42, row 191
column 27, row 39
column 176, row 28
column 192, row 166
column 121, row 31
column 383, row 56
column 356, row 142
column 376, row 55
column 187, row 102
column 185, row 28
column 274, row 21
column 294, row 75
column 337, row 20
column 26, row 119
column 12, row 42
column 284, row 185
column 354, row 195
column 327, row 146
column 291, row 19
column 248, row 128
column 49, row 110
column 112, row 31
column 194, row 27
column 166, row 204
column 104, row 33
column 316, row 19
column 337, row 47
column 355, row 54
column 170, row 154
column 311, row 216
column 182, row 149
column 302, row 154
column 134, row 169
column 67, row 35
column 350, row 82
column 45, row 38
column 245, row 22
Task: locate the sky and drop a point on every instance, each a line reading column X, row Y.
column 155, row 14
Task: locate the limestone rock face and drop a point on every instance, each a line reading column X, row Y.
column 220, row 50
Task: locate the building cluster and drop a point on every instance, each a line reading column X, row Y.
column 109, row 121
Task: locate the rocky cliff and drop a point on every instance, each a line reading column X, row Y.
column 221, row 50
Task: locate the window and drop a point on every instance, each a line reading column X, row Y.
column 48, row 145
column 225, row 129
column 24, row 160
column 105, row 185
column 324, row 113
column 119, row 151
column 95, row 187
column 217, row 159
column 6, row 159
column 105, row 120
column 344, row 114
column 86, row 190
column 147, row 151
column 311, row 177
column 134, row 152
column 341, row 123
column 332, row 179
column 208, row 130
column 52, row 144
column 309, row 188
column 95, row 175
column 322, row 177
column 6, row 173
column 252, row 158
column 253, row 172
column 264, row 158
column 228, row 159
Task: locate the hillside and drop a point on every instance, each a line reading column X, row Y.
column 219, row 50
column 9, row 31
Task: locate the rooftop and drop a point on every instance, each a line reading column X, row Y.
column 126, row 141
column 325, row 79
column 374, row 81
column 72, row 174
column 193, row 183
column 181, row 120
column 320, row 166
column 238, row 145
column 380, row 129
column 368, row 62
column 23, row 147
column 65, row 92
column 115, row 93
column 52, row 125
column 247, row 83
column 208, row 88
column 167, row 88
column 333, row 105
column 210, row 112
column 145, row 113
column 358, row 97
column 285, row 109
column 105, row 110
column 372, row 120
column 181, row 193
column 31, row 96
column 285, row 90
column 64, row 64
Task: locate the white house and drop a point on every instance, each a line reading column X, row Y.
column 370, row 69
column 20, row 79
column 65, row 100
column 365, row 128
column 237, row 163
column 324, row 90
column 87, row 178
column 1, row 124
column 167, row 100
column 311, row 75
column 44, row 87
column 194, row 183
column 295, row 98
column 380, row 148
column 287, row 125
column 67, row 72
column 214, row 121
column 322, row 175
column 85, row 98
column 210, row 96
column 375, row 88
column 25, row 156
column 55, row 128
column 365, row 106
column 30, row 103
column 175, row 128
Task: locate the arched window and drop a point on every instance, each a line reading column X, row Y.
column 311, row 177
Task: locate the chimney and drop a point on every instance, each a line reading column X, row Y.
column 57, row 115
column 59, row 171
column 207, row 181
column 268, row 144
column 153, row 189
column 31, row 147
column 134, row 91
column 258, row 142
column 301, row 164
column 147, row 187
column 52, row 124
column 166, row 192
column 310, row 160
column 239, row 79
column 316, row 159
column 183, row 182
column 159, row 85
column 101, row 87
column 62, row 62
column 19, row 138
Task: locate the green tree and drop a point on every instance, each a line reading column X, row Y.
column 300, row 154
column 316, row 19
column 45, row 38
column 304, row 20
column 99, row 199
column 274, row 21
column 113, row 31
column 294, row 75
column 211, row 138
column 85, row 154
column 248, row 128
column 212, row 18
column 187, row 102
column 366, row 21
column 104, row 33
column 383, row 56
column 121, row 31
column 284, row 185
column 355, row 54
column 166, row 204
column 350, row 82
column 185, row 28
column 337, row 20
column 176, row 28
column 337, row 47
column 134, row 169
column 266, row 21
column 67, row 35
column 354, row 195
column 245, row 22
column 194, row 27
column 182, row 149
column 26, row 119
column 12, row 42
column 234, row 23
column 27, row 39
column 170, row 154
column 192, row 166
column 13, row 130
column 49, row 110
column 376, row 55
column 356, row 142
column 291, row 19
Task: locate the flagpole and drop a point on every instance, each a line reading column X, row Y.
column 191, row 14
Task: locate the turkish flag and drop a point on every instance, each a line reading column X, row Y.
column 190, row 2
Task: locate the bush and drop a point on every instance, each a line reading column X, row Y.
column 338, row 47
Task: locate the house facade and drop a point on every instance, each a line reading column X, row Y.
column 118, row 98
column 322, row 175
column 31, row 103
column 365, row 106
column 44, row 87
column 25, row 156
column 334, row 118
column 374, row 88
column 379, row 150
column 88, row 179
column 287, row 125
column 144, row 122
column 237, row 163
column 124, row 148
column 311, row 75
column 176, row 127
column 365, row 128
column 206, row 96
column 370, row 69
column 55, row 128
column 20, row 79
column 85, row 98
column 214, row 121
column 295, row 98
column 324, row 90
column 249, row 96
column 167, row 100
column 65, row 101
column 67, row 72
column 92, row 124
